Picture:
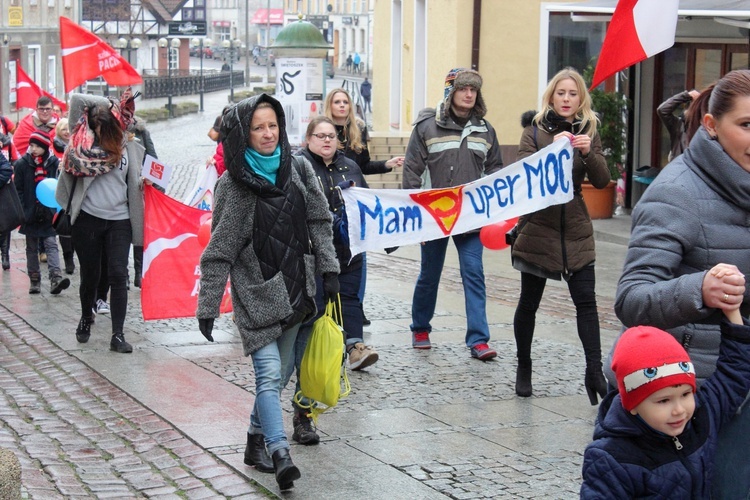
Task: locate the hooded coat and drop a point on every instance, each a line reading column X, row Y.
column 692, row 217
column 446, row 153
column 270, row 240
column 558, row 240
column 629, row 459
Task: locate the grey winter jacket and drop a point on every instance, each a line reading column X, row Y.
column 451, row 154
column 134, row 153
column 260, row 305
column 692, row 217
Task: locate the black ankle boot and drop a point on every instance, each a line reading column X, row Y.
column 137, row 265
column 595, row 383
column 304, row 432
column 286, row 471
column 256, row 454
column 523, row 378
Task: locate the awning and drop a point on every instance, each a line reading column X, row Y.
column 695, row 8
column 261, row 16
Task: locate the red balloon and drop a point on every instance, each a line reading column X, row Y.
column 204, row 233
column 492, row 236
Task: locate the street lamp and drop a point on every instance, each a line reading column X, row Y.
column 232, row 46
column 129, row 45
column 199, row 42
column 174, row 43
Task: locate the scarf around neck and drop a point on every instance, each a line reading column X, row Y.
column 265, row 166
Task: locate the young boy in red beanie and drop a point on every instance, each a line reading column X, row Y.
column 656, row 436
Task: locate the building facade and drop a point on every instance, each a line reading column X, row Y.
column 30, row 36
column 517, row 45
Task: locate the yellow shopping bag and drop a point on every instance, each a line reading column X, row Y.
column 322, row 371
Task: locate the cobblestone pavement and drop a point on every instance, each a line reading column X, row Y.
column 417, row 424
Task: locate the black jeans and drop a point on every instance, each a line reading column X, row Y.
column 93, row 236
column 581, row 287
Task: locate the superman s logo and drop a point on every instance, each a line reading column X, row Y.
column 443, row 204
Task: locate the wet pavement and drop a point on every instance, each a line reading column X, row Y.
column 169, row 420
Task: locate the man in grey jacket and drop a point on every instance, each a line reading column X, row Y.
column 451, row 145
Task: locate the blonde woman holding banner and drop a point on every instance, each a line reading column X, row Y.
column 557, row 242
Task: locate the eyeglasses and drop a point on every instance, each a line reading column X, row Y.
column 44, row 109
column 323, row 137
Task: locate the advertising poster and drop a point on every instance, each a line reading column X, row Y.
column 299, row 88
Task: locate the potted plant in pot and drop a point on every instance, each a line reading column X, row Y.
column 612, row 108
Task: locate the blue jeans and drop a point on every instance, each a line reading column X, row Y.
column 472, row 276
column 272, row 365
column 731, row 464
column 93, row 237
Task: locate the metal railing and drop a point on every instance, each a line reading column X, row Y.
column 188, row 83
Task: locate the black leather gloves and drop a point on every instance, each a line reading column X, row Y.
column 206, row 326
column 330, row 286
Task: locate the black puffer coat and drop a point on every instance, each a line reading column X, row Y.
column 271, row 240
column 559, row 239
column 341, row 169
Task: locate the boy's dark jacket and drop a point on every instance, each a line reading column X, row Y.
column 628, row 459
column 38, row 217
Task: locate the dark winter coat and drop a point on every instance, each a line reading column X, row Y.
column 270, row 240
column 629, row 459
column 38, row 217
column 449, row 153
column 366, row 165
column 559, row 240
column 692, row 217
column 341, row 169
column 675, row 124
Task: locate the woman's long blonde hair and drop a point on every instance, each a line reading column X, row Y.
column 587, row 117
column 352, row 132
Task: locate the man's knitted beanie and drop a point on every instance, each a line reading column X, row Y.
column 41, row 139
column 459, row 78
column 647, row 360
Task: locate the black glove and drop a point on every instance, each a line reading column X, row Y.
column 4, row 140
column 206, row 325
column 330, row 286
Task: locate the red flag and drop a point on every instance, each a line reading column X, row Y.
column 27, row 91
column 639, row 29
column 86, row 56
column 171, row 258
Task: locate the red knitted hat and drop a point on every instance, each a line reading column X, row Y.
column 647, row 360
column 41, row 139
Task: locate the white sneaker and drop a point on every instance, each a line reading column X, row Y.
column 102, row 307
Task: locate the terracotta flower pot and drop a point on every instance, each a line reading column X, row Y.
column 599, row 202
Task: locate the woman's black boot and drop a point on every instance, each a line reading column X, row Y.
column 5, row 249
column 256, row 454
column 595, row 382
column 286, row 471
column 523, row 378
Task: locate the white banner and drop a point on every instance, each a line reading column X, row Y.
column 157, row 172
column 383, row 218
column 202, row 194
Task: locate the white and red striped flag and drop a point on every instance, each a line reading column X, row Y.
column 639, row 29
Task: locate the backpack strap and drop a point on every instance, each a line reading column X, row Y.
column 299, row 164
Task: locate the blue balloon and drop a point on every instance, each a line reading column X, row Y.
column 45, row 193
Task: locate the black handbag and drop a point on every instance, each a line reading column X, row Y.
column 61, row 221
column 11, row 210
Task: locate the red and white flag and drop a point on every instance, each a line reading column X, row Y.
column 28, row 92
column 171, row 258
column 639, row 29
column 86, row 56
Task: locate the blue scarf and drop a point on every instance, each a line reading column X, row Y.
column 264, row 166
